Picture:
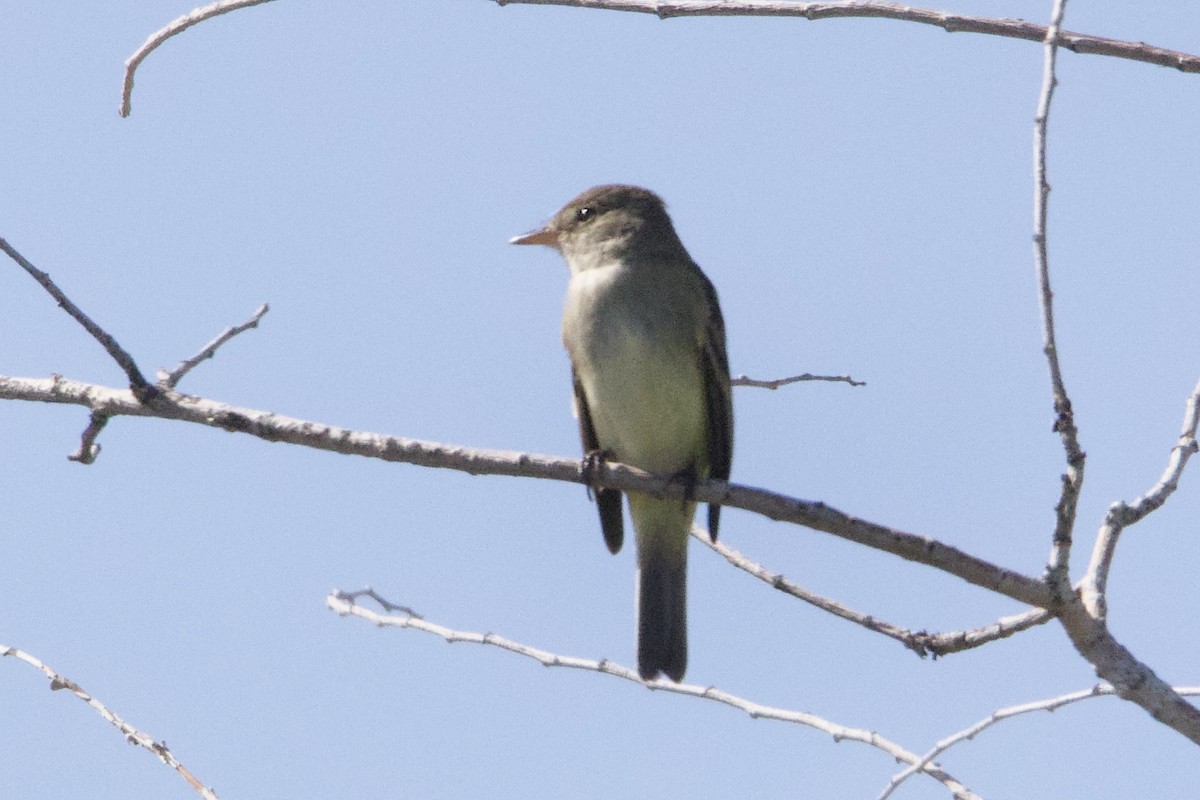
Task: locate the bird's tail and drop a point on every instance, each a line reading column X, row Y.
column 662, row 534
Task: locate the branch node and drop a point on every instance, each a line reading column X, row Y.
column 89, row 449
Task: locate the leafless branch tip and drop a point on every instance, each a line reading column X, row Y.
column 171, row 380
column 132, row 735
column 743, row 380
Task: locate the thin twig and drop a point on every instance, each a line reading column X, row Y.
column 778, row 581
column 89, row 448
column 920, row 642
column 131, row 734
column 1121, row 515
column 742, row 380
column 1051, row 704
column 141, row 389
column 171, row 380
column 951, row 23
column 344, row 604
column 941, row 644
column 176, row 26
column 1058, row 566
column 384, row 603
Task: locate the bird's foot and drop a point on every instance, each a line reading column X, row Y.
column 589, row 470
column 688, row 478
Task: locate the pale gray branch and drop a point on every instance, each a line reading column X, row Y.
column 920, row 642
column 171, row 380
column 1121, row 515
column 344, row 604
column 941, row 644
column 1131, row 679
column 1051, row 704
column 742, row 380
column 176, row 26
column 278, row 428
column 951, row 23
column 1058, row 565
column 131, row 734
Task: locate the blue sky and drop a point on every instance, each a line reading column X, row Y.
column 859, row 192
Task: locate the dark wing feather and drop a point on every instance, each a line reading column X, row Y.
column 608, row 501
column 719, row 397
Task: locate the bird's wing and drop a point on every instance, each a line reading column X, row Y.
column 608, row 501
column 719, row 399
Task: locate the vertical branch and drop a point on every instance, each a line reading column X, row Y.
column 1058, row 566
column 1094, row 586
column 1084, row 622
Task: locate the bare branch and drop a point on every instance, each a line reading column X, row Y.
column 171, row 380
column 1051, row 704
column 344, row 604
column 88, row 448
column 778, row 581
column 1058, row 567
column 1121, row 515
column 1132, row 680
column 131, row 734
column 384, row 603
column 941, row 644
column 951, row 23
column 177, row 26
column 920, row 642
column 278, row 428
column 143, row 390
column 742, row 380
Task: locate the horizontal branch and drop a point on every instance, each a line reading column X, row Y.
column 776, row 383
column 278, row 428
column 951, row 23
column 1082, row 43
column 344, row 603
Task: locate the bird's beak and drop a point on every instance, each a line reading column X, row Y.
column 544, row 235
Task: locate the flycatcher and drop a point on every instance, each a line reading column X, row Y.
column 647, row 345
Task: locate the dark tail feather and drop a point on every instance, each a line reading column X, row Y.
column 714, row 521
column 662, row 616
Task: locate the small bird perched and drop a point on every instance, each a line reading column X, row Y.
column 647, row 345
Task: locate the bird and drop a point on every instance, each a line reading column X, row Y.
column 646, row 339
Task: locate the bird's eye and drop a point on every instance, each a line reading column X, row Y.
column 584, row 214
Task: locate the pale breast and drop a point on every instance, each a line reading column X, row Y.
column 638, row 360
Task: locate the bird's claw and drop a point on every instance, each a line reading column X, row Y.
column 589, row 470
